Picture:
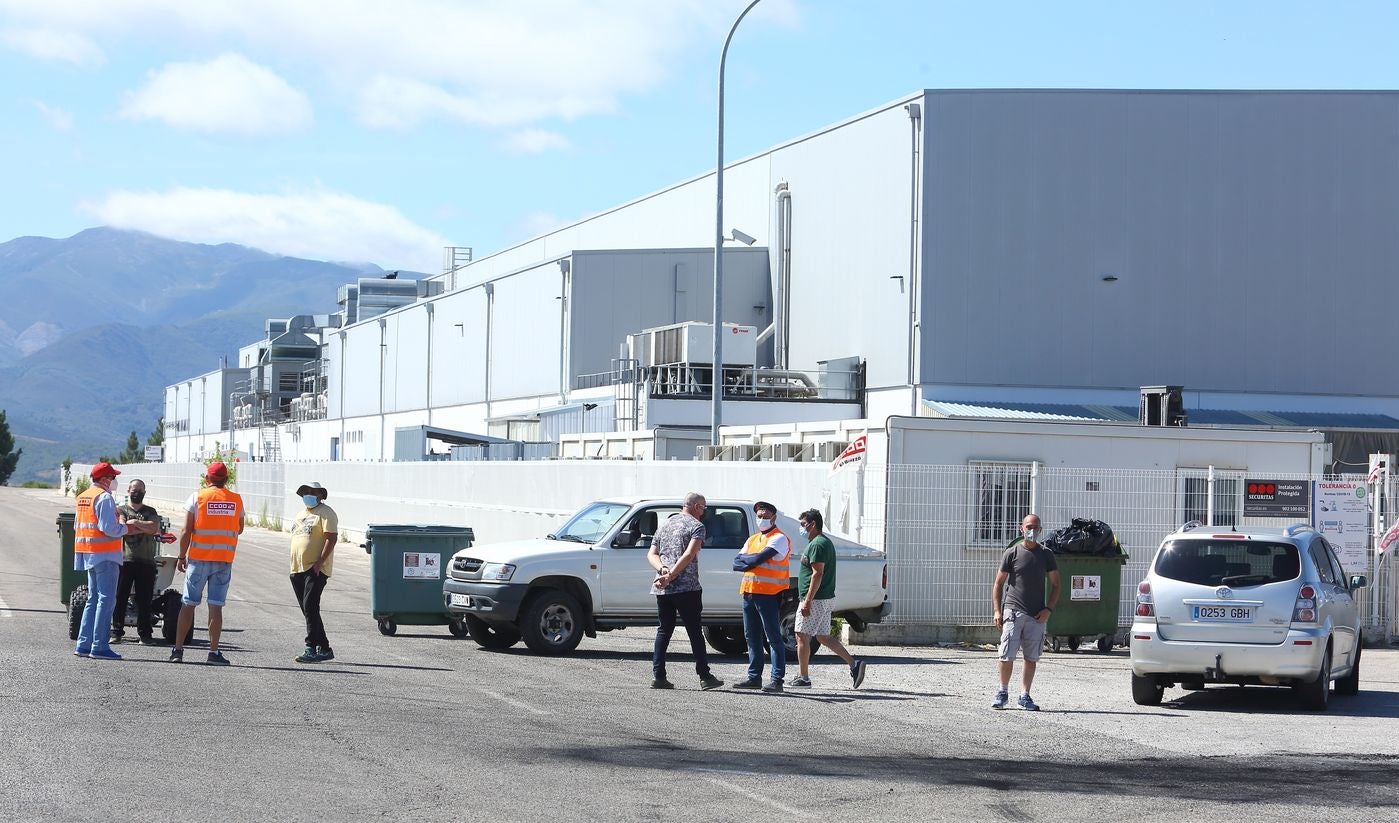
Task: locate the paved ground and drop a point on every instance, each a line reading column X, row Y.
column 426, row 727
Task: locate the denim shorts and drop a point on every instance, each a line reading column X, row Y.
column 1020, row 630
column 213, row 572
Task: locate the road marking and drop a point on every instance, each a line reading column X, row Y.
column 737, row 789
column 517, row 704
column 5, row 609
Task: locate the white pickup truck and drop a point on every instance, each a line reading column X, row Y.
column 592, row 575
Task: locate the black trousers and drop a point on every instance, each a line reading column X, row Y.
column 308, row 586
column 141, row 574
column 688, row 606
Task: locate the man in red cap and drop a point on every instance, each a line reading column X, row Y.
column 213, row 521
column 97, row 549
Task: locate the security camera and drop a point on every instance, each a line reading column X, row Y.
column 745, row 239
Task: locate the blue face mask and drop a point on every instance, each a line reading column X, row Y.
column 310, row 500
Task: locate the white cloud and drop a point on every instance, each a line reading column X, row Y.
column 228, row 94
column 57, row 118
column 317, row 224
column 536, row 141
column 487, row 62
column 538, row 223
column 54, row 44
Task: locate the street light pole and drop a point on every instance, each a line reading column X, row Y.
column 716, row 415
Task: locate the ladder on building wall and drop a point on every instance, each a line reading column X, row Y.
column 626, row 373
column 271, row 443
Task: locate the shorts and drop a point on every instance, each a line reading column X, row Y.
column 216, row 573
column 818, row 623
column 1022, row 631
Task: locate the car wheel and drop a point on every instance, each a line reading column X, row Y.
column 1350, row 684
column 1315, row 693
column 1105, row 644
column 1146, row 690
column 77, row 601
column 491, row 635
column 552, row 623
column 387, row 627
column 727, row 640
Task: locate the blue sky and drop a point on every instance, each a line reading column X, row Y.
column 371, row 131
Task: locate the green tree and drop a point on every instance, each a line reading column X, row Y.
column 133, row 453
column 9, row 455
column 157, row 437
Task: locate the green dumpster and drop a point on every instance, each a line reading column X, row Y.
column 408, row 564
column 1089, row 586
column 68, row 578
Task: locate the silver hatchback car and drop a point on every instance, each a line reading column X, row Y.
column 1246, row 606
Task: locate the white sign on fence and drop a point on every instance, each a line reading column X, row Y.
column 155, row 454
column 1341, row 512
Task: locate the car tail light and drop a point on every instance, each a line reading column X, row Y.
column 884, row 577
column 1146, row 604
column 1304, row 610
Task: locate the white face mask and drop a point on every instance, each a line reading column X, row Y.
column 764, row 523
column 1032, row 532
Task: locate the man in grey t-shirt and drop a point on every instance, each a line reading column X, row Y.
column 675, row 557
column 1018, row 606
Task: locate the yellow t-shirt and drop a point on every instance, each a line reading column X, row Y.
column 308, row 533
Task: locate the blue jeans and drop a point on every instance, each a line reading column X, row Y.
column 762, row 618
column 96, row 631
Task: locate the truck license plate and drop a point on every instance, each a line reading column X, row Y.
column 1223, row 614
column 463, row 600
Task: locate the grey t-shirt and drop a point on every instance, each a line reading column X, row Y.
column 671, row 540
column 1027, row 569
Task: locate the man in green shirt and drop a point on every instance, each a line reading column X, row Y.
column 816, row 588
column 138, row 567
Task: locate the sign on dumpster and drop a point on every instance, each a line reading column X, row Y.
column 420, row 566
column 1085, row 587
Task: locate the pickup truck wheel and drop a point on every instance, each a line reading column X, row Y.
column 552, row 623
column 489, row 635
column 727, row 640
column 1314, row 694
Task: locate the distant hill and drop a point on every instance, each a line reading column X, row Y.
column 94, row 326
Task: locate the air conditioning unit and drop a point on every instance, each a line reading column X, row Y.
column 710, row 452
column 747, row 452
column 791, row 451
column 829, row 450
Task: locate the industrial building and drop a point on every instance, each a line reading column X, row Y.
column 1022, row 254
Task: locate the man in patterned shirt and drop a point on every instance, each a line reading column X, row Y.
column 675, row 557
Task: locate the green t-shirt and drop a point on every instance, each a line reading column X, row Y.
column 820, row 550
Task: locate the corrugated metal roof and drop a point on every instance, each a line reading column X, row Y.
column 1072, row 412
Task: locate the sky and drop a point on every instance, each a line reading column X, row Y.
column 369, row 131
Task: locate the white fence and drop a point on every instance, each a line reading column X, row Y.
column 946, row 527
column 943, row 527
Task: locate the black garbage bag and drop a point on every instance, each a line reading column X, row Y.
column 1083, row 536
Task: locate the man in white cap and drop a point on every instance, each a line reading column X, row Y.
column 313, row 537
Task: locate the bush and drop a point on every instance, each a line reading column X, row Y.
column 80, row 485
column 35, row 484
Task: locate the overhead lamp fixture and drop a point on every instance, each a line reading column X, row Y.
column 745, row 239
column 1109, row 278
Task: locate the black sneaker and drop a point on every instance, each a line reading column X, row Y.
column 324, row 653
column 116, row 638
column 308, row 656
column 217, row 659
column 661, row 683
column 800, row 682
column 750, row 683
column 709, row 681
column 857, row 673
column 772, row 686
column 150, row 641
column 176, row 656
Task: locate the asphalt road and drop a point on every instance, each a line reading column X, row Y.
column 423, row 726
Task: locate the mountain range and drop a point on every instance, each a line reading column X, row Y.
column 94, row 326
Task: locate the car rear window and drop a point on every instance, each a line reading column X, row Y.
column 1228, row 562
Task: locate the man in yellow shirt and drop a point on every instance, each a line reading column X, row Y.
column 313, row 537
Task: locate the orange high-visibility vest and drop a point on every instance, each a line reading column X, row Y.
column 88, row 537
column 217, row 513
column 769, row 577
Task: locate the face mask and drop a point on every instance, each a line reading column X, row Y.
column 764, row 523
column 1031, row 534
column 137, row 497
column 310, row 500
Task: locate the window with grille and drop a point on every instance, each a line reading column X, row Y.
column 1228, row 505
column 1000, row 500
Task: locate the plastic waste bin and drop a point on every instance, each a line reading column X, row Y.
column 68, row 577
column 1089, row 589
column 408, row 564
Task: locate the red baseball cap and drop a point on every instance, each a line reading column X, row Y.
column 103, row 469
column 217, row 469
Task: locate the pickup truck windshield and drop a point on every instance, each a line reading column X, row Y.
column 590, row 524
